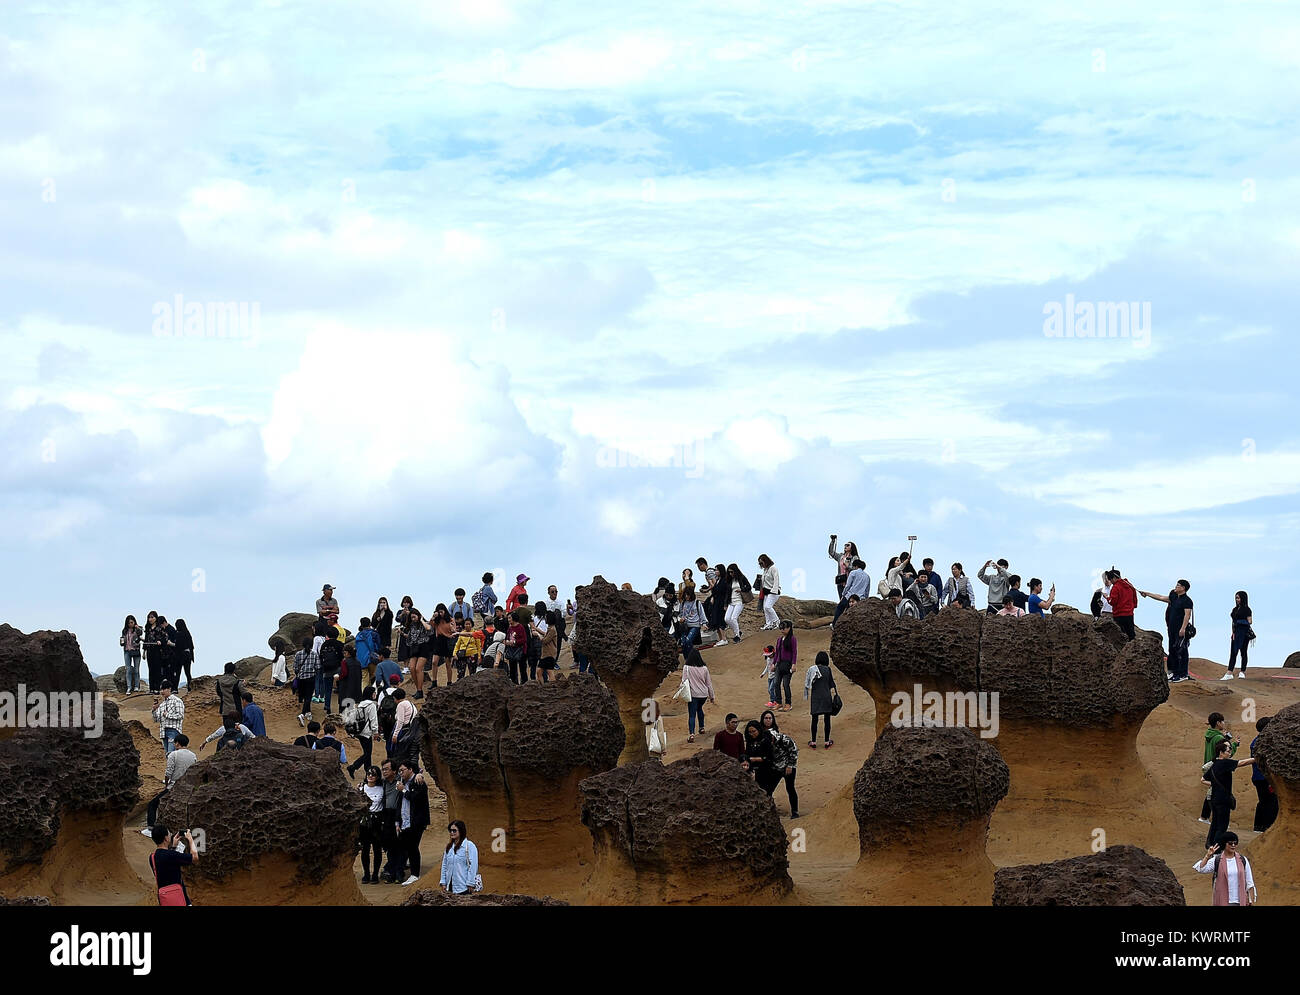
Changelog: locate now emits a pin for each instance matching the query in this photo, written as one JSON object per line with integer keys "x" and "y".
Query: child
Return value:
{"x": 769, "y": 673}
{"x": 656, "y": 740}
{"x": 466, "y": 651}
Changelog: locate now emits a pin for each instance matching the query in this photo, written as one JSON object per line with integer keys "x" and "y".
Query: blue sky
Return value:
{"x": 548, "y": 289}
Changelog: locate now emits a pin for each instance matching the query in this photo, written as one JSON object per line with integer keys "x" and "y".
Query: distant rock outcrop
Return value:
{"x": 426, "y": 896}
{"x": 509, "y": 758}
{"x": 1118, "y": 875}
{"x": 923, "y": 801}
{"x": 294, "y": 628}
{"x": 622, "y": 635}
{"x": 280, "y": 826}
{"x": 251, "y": 666}
{"x": 63, "y": 798}
{"x": 698, "y": 830}
{"x": 1293, "y": 660}
{"x": 119, "y": 681}
{"x": 1065, "y": 689}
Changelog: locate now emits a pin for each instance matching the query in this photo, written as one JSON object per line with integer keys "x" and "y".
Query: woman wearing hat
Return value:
{"x": 518, "y": 594}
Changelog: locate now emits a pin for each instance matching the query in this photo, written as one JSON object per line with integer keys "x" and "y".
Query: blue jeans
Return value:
{"x": 695, "y": 707}
{"x": 581, "y": 660}
{"x": 132, "y": 662}
{"x": 169, "y": 739}
{"x": 688, "y": 640}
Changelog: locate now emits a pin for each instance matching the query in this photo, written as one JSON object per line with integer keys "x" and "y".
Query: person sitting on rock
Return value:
{"x": 1010, "y": 608}
{"x": 903, "y": 607}
{"x": 232, "y": 732}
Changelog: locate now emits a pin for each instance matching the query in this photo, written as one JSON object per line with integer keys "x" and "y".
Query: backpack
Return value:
{"x": 1095, "y": 605}
{"x": 353, "y": 721}
{"x": 534, "y": 646}
{"x": 387, "y": 712}
{"x": 331, "y": 655}
{"x": 478, "y": 602}
{"x": 231, "y": 737}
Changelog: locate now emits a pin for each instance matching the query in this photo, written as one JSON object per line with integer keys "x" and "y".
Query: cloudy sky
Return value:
{"x": 388, "y": 295}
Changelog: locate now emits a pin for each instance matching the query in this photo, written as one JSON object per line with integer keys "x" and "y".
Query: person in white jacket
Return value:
{"x": 772, "y": 585}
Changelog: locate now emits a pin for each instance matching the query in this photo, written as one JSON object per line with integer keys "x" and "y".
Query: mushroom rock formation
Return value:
{"x": 1069, "y": 706}
{"x": 64, "y": 794}
{"x": 280, "y": 826}
{"x": 1275, "y": 855}
{"x": 119, "y": 681}
{"x": 1293, "y": 660}
{"x": 623, "y": 636}
{"x": 509, "y": 758}
{"x": 1119, "y": 875}
{"x": 105, "y": 684}
{"x": 250, "y": 667}
{"x": 41, "y": 661}
{"x": 294, "y": 628}
{"x": 698, "y": 830}
{"x": 923, "y": 801}
{"x": 426, "y": 896}
{"x": 31, "y": 900}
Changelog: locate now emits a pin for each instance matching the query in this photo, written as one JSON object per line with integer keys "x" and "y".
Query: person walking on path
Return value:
{"x": 771, "y": 591}
{"x": 785, "y": 661}
{"x": 169, "y": 713}
{"x": 459, "y": 862}
{"x": 306, "y": 665}
{"x": 696, "y": 674}
{"x": 367, "y": 728}
{"x": 1243, "y": 632}
{"x": 819, "y": 689}
{"x": 1178, "y": 622}
{"x": 1232, "y": 881}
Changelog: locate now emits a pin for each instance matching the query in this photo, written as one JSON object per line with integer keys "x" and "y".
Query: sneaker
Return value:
{"x": 352, "y": 773}
{"x": 794, "y": 815}
{"x": 365, "y": 878}
{"x": 409, "y": 881}
{"x": 1206, "y": 821}
{"x": 720, "y": 642}
{"x": 1228, "y": 676}
{"x": 1242, "y": 674}
{"x": 301, "y": 722}
{"x": 828, "y": 744}
{"x": 812, "y": 744}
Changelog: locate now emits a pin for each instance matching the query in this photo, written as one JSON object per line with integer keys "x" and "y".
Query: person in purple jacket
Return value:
{"x": 787, "y": 656}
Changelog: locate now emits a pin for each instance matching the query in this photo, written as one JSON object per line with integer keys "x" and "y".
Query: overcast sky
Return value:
{"x": 572, "y": 291}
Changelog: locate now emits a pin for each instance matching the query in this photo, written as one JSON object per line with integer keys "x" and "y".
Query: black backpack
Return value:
{"x": 231, "y": 737}
{"x": 331, "y": 655}
{"x": 387, "y": 712}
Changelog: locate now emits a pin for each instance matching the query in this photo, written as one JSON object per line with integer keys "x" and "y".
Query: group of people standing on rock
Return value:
{"x": 917, "y": 593}
{"x": 713, "y": 600}
{"x": 166, "y": 650}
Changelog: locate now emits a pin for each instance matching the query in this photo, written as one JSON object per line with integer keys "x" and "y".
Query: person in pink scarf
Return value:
{"x": 1234, "y": 884}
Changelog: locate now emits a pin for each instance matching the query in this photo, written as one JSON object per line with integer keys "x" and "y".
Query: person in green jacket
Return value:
{"x": 1217, "y": 729}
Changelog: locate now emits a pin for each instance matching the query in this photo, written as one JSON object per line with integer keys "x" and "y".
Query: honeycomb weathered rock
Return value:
{"x": 1118, "y": 875}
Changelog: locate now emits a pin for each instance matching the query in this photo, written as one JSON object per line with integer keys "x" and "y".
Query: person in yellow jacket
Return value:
{"x": 466, "y": 650}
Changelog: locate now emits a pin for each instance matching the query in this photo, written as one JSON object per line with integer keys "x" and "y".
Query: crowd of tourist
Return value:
{"x": 366, "y": 670}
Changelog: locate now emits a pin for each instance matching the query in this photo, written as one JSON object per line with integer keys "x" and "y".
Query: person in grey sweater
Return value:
{"x": 999, "y": 584}
{"x": 819, "y": 689}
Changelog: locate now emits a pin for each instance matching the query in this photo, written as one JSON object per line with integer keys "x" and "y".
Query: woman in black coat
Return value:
{"x": 821, "y": 694}
{"x": 758, "y": 752}
{"x": 184, "y": 654}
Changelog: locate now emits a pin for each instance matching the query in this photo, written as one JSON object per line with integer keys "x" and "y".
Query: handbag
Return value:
{"x": 684, "y": 691}
{"x": 1191, "y": 626}
{"x": 837, "y": 703}
{"x": 171, "y": 894}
